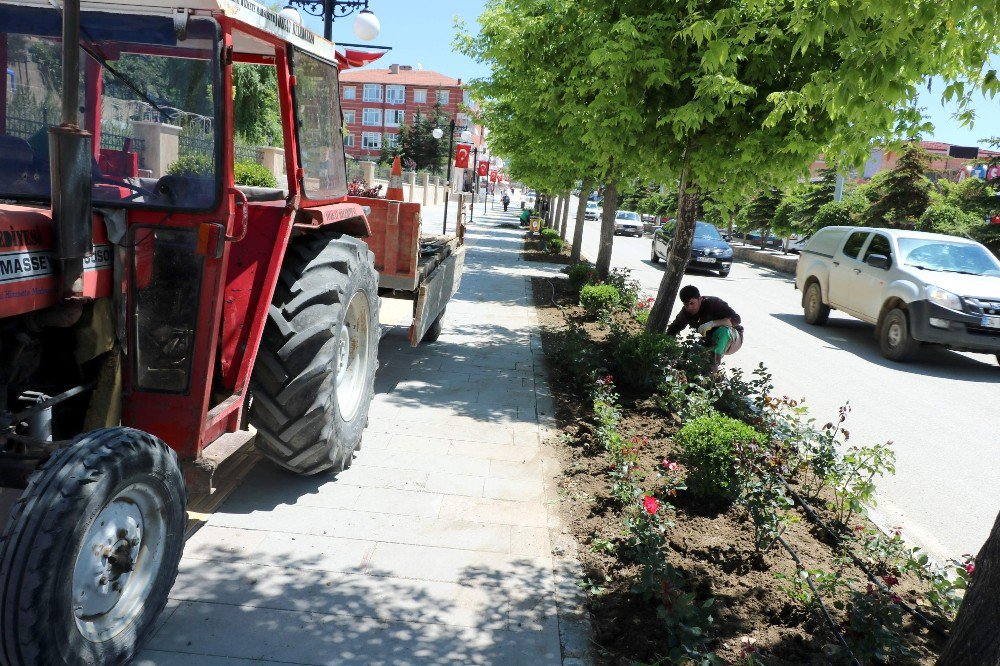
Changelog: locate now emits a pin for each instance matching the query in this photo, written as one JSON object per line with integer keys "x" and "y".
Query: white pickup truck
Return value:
{"x": 915, "y": 287}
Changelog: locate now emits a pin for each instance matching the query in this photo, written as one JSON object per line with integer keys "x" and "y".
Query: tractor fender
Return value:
{"x": 346, "y": 218}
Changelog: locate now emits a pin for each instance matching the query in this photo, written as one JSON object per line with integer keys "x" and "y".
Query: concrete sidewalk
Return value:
{"x": 437, "y": 545}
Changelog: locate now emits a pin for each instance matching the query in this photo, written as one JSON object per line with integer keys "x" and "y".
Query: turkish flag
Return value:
{"x": 993, "y": 172}
{"x": 484, "y": 168}
{"x": 493, "y": 176}
{"x": 462, "y": 156}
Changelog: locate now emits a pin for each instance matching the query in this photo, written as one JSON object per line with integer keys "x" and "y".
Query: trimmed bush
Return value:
{"x": 247, "y": 173}
{"x": 581, "y": 274}
{"x": 253, "y": 174}
{"x": 600, "y": 300}
{"x": 192, "y": 165}
{"x": 639, "y": 360}
{"x": 549, "y": 234}
{"x": 708, "y": 445}
{"x": 629, "y": 288}
{"x": 947, "y": 219}
{"x": 556, "y": 245}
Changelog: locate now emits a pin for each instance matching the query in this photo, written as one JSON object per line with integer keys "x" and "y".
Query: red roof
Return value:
{"x": 407, "y": 77}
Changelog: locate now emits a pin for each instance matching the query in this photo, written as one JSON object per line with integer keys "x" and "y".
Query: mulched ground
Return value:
{"x": 532, "y": 251}
{"x": 712, "y": 545}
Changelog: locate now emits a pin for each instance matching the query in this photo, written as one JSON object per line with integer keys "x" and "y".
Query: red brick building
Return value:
{"x": 951, "y": 168}
{"x": 376, "y": 102}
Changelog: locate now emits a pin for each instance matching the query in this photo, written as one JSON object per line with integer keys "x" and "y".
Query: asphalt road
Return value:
{"x": 939, "y": 409}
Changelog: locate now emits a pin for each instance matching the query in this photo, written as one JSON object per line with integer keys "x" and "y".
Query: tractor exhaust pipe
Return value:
{"x": 70, "y": 160}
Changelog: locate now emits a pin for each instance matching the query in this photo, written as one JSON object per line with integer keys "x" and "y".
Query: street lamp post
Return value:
{"x": 366, "y": 25}
{"x": 437, "y": 134}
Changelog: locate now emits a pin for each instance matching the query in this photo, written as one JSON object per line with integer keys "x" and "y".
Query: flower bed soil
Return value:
{"x": 532, "y": 251}
{"x": 712, "y": 545}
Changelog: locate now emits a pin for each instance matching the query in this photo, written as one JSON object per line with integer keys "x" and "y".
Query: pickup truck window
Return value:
{"x": 854, "y": 243}
{"x": 879, "y": 245}
{"x": 936, "y": 255}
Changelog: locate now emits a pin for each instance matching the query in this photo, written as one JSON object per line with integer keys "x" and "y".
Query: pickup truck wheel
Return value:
{"x": 91, "y": 550}
{"x": 816, "y": 311}
{"x": 655, "y": 258}
{"x": 895, "y": 340}
{"x": 313, "y": 380}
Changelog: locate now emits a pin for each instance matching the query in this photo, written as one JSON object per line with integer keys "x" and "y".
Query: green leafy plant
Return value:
{"x": 629, "y": 288}
{"x": 253, "y": 174}
{"x": 556, "y": 245}
{"x": 574, "y": 355}
{"x": 580, "y": 275}
{"x": 600, "y": 300}
{"x": 853, "y": 478}
{"x": 874, "y": 621}
{"x": 192, "y": 165}
{"x": 639, "y": 359}
{"x": 708, "y": 446}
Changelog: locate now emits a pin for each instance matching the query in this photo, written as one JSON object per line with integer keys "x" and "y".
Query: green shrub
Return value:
{"x": 708, "y": 446}
{"x": 254, "y": 175}
{"x": 549, "y": 234}
{"x": 192, "y": 165}
{"x": 629, "y": 288}
{"x": 247, "y": 173}
{"x": 581, "y": 274}
{"x": 639, "y": 359}
{"x": 556, "y": 245}
{"x": 947, "y": 219}
{"x": 600, "y": 300}
{"x": 574, "y": 354}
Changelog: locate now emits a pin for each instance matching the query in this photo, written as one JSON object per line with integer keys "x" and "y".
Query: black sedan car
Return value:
{"x": 709, "y": 250}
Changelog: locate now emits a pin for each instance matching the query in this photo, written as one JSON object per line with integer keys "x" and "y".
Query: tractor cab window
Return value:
{"x": 148, "y": 95}
{"x": 320, "y": 137}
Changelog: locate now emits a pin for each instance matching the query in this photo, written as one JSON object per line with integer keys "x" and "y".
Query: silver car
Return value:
{"x": 628, "y": 223}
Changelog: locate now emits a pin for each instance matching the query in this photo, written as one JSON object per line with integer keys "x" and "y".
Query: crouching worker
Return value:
{"x": 713, "y": 318}
{"x": 525, "y": 217}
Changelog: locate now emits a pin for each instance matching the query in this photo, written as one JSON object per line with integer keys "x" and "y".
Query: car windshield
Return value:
{"x": 706, "y": 231}
{"x": 949, "y": 257}
{"x": 149, "y": 100}
{"x": 625, "y": 215}
{"x": 592, "y": 204}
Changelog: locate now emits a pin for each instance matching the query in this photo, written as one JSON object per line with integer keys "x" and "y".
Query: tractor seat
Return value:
{"x": 255, "y": 194}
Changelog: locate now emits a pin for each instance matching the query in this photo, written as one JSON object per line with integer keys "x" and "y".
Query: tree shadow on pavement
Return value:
{"x": 280, "y": 604}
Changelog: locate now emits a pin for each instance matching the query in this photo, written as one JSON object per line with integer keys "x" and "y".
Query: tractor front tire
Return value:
{"x": 314, "y": 378}
{"x": 91, "y": 550}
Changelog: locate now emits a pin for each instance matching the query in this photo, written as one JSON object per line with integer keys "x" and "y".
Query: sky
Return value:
{"x": 422, "y": 33}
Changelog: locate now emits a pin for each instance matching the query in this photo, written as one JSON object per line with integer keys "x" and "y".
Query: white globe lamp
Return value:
{"x": 367, "y": 25}
{"x": 291, "y": 14}
{"x": 437, "y": 133}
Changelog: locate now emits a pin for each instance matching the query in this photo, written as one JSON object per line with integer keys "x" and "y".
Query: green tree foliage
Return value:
{"x": 902, "y": 195}
{"x": 417, "y": 143}
{"x": 256, "y": 110}
{"x": 759, "y": 213}
{"x": 816, "y": 196}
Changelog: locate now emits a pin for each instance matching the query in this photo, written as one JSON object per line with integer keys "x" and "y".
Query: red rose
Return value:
{"x": 970, "y": 567}
{"x": 890, "y": 580}
{"x": 650, "y": 504}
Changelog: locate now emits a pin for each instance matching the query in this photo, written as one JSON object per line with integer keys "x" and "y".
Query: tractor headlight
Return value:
{"x": 943, "y": 297}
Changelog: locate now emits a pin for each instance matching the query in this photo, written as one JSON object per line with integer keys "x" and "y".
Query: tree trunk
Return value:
{"x": 581, "y": 208}
{"x": 975, "y": 640}
{"x": 565, "y": 216}
{"x": 677, "y": 257}
{"x": 603, "y": 264}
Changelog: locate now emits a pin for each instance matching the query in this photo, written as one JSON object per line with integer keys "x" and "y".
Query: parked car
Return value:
{"x": 753, "y": 238}
{"x": 592, "y": 211}
{"x": 915, "y": 287}
{"x": 628, "y": 223}
{"x": 796, "y": 243}
{"x": 650, "y": 223}
{"x": 709, "y": 249}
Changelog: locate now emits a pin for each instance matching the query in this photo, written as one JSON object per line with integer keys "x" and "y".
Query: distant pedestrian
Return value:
{"x": 713, "y": 318}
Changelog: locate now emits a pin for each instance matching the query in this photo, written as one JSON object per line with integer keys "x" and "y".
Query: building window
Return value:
{"x": 443, "y": 96}
{"x": 373, "y": 92}
{"x": 350, "y": 117}
{"x": 391, "y": 140}
{"x": 419, "y": 96}
{"x": 394, "y": 117}
{"x": 466, "y": 97}
{"x": 395, "y": 94}
{"x": 349, "y": 141}
{"x": 371, "y": 141}
{"x": 349, "y": 92}
{"x": 372, "y": 117}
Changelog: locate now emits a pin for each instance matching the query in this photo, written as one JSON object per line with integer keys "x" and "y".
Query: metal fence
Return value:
{"x": 26, "y": 128}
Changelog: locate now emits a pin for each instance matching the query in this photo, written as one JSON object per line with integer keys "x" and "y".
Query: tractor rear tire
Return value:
{"x": 91, "y": 550}
{"x": 314, "y": 378}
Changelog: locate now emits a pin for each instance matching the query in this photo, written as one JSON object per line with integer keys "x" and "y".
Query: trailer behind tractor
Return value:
{"x": 164, "y": 289}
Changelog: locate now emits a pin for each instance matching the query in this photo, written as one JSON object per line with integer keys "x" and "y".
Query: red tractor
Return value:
{"x": 168, "y": 288}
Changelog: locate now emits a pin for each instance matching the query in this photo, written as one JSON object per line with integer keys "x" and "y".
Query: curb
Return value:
{"x": 779, "y": 262}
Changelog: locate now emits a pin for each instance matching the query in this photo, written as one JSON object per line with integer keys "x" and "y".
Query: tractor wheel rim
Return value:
{"x": 353, "y": 353}
{"x": 894, "y": 334}
{"x": 118, "y": 562}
